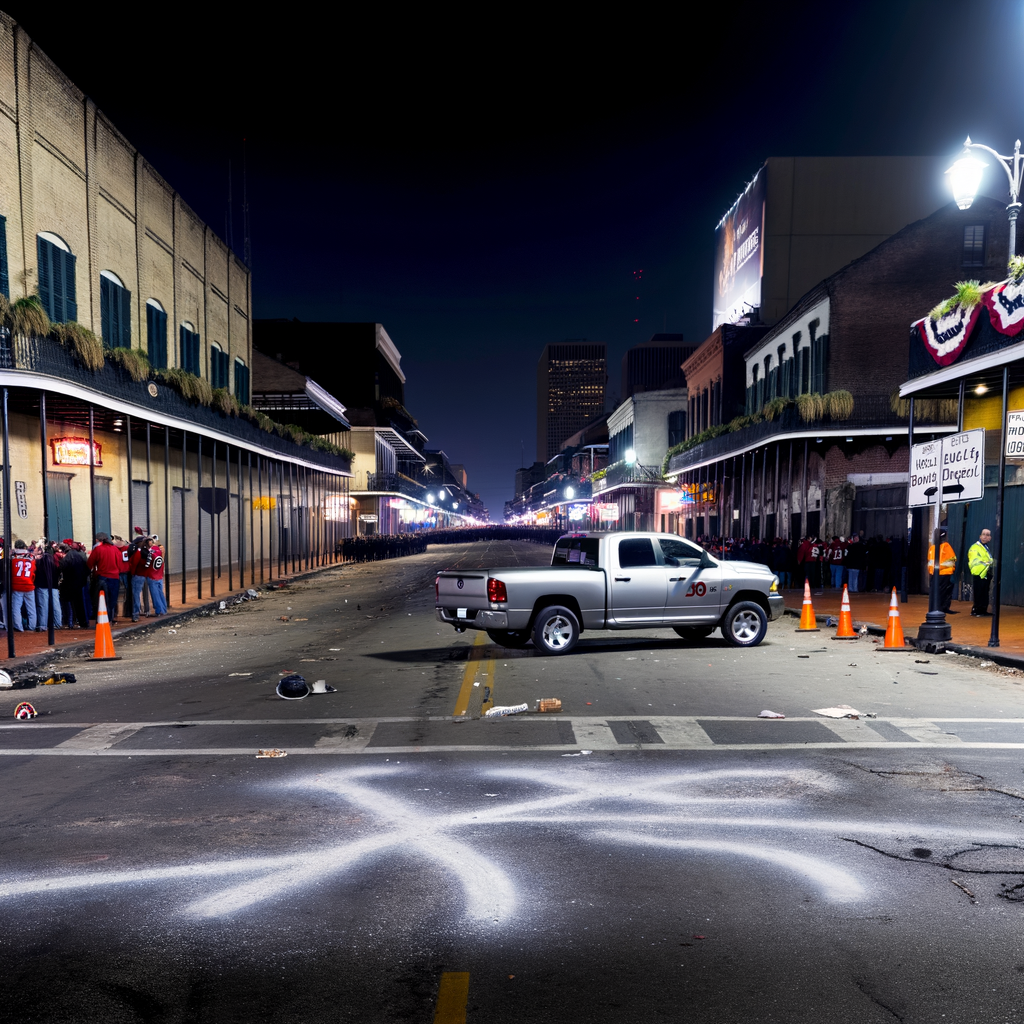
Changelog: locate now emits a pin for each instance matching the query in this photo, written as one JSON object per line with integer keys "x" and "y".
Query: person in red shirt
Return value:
{"x": 147, "y": 566}
{"x": 106, "y": 560}
{"x": 23, "y": 586}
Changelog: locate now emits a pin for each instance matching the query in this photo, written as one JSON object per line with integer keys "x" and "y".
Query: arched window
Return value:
{"x": 188, "y": 352}
{"x": 115, "y": 311}
{"x": 241, "y": 382}
{"x": 218, "y": 366}
{"x": 56, "y": 277}
{"x": 156, "y": 334}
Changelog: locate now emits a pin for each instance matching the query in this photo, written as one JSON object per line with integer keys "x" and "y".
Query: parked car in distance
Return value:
{"x": 612, "y": 581}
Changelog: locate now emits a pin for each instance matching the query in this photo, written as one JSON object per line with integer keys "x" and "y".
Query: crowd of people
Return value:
{"x": 67, "y": 577}
{"x": 862, "y": 564}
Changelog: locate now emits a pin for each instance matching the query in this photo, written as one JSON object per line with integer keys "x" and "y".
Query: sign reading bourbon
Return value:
{"x": 74, "y": 451}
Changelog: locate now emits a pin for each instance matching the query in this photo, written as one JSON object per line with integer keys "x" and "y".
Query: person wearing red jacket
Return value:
{"x": 147, "y": 567}
{"x": 23, "y": 586}
{"x": 105, "y": 559}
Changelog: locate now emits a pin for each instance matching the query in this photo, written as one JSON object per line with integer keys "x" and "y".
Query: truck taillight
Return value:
{"x": 496, "y": 591}
{"x": 437, "y": 590}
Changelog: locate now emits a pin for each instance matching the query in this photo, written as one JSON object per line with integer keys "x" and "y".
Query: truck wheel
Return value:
{"x": 745, "y": 624}
{"x": 555, "y": 630}
{"x": 509, "y": 637}
{"x": 694, "y": 633}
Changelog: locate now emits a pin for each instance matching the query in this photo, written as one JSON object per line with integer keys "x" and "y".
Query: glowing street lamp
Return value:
{"x": 569, "y": 494}
{"x": 965, "y": 180}
{"x": 630, "y": 457}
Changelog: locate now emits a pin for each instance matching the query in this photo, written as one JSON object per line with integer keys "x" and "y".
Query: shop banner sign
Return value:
{"x": 955, "y": 463}
{"x": 1015, "y": 434}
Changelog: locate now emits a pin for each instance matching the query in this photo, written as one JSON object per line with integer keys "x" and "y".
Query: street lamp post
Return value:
{"x": 965, "y": 178}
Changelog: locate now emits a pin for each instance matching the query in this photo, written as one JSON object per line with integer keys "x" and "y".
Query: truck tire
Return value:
{"x": 745, "y": 624}
{"x": 694, "y": 633}
{"x": 509, "y": 637}
{"x": 555, "y": 630}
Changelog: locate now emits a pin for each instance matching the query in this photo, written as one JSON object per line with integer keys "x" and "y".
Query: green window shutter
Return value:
{"x": 70, "y": 295}
{"x": 44, "y": 251}
{"x": 126, "y": 318}
{"x": 156, "y": 336}
{"x": 5, "y": 288}
{"x": 106, "y": 314}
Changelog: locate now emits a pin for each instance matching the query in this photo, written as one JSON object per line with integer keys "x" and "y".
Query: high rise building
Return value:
{"x": 571, "y": 379}
{"x": 655, "y": 365}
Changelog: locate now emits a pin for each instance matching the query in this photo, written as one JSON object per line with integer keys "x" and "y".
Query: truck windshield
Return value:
{"x": 576, "y": 551}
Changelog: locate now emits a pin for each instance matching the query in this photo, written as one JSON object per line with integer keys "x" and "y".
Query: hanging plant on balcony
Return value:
{"x": 838, "y": 404}
{"x": 133, "y": 361}
{"x": 27, "y": 319}
{"x": 810, "y": 406}
{"x": 776, "y": 407}
{"x": 81, "y": 342}
{"x": 926, "y": 410}
{"x": 192, "y": 388}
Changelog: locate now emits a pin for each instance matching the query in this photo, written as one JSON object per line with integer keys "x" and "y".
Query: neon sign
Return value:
{"x": 74, "y": 451}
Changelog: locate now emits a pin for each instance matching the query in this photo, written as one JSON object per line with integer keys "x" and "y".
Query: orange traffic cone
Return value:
{"x": 845, "y": 631}
{"x": 808, "y": 623}
{"x": 104, "y": 650}
{"x": 894, "y": 631}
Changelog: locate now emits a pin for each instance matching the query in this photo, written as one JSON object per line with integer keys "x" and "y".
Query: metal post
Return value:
{"x": 291, "y": 523}
{"x": 227, "y": 487}
{"x": 743, "y": 495}
{"x": 252, "y": 539}
{"x": 241, "y": 541}
{"x": 199, "y": 520}
{"x": 789, "y": 495}
{"x": 92, "y": 472}
{"x": 259, "y": 479}
{"x": 46, "y": 514}
{"x": 804, "y": 526}
{"x": 214, "y": 525}
{"x": 131, "y": 484}
{"x": 167, "y": 514}
{"x": 908, "y": 546}
{"x": 763, "y": 506}
{"x": 184, "y": 488}
{"x": 8, "y": 580}
{"x": 997, "y": 568}
{"x": 960, "y": 406}
{"x": 149, "y": 510}
{"x": 775, "y": 502}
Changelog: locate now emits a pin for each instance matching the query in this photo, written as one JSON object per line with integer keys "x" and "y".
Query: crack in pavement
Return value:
{"x": 878, "y": 1002}
{"x": 945, "y": 863}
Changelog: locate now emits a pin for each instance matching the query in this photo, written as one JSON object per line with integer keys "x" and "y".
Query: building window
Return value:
{"x": 56, "y": 278}
{"x": 218, "y": 367}
{"x": 676, "y": 428}
{"x": 115, "y": 311}
{"x": 974, "y": 245}
{"x": 156, "y": 334}
{"x": 5, "y": 287}
{"x": 241, "y": 382}
{"x": 188, "y": 356}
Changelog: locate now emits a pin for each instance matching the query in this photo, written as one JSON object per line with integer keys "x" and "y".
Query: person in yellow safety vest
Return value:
{"x": 947, "y": 566}
{"x": 980, "y": 562}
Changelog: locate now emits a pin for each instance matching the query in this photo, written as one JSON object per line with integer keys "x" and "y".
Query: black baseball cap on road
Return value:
{"x": 293, "y": 687}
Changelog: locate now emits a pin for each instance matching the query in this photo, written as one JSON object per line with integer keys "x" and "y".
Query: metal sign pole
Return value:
{"x": 993, "y": 640}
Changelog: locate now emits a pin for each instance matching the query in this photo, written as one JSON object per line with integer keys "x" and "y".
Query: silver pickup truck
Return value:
{"x": 612, "y": 581}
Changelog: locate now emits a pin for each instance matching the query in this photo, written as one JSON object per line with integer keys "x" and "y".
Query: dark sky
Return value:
{"x": 483, "y": 183}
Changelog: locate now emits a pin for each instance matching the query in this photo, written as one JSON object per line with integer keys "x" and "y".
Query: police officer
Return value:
{"x": 947, "y": 566}
{"x": 980, "y": 561}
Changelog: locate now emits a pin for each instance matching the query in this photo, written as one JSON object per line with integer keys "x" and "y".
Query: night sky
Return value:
{"x": 486, "y": 182}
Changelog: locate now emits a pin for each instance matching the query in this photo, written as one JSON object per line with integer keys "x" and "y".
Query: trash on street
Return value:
{"x": 503, "y": 711}
{"x": 24, "y": 711}
{"x": 273, "y": 752}
{"x": 547, "y": 704}
{"x": 839, "y": 711}
{"x": 770, "y": 714}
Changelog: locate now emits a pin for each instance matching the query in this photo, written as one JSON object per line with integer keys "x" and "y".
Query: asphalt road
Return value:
{"x": 654, "y": 852}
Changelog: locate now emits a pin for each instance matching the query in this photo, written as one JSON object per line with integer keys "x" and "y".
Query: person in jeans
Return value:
{"x": 74, "y": 576}
{"x": 836, "y": 554}
{"x": 47, "y": 587}
{"x": 106, "y": 560}
{"x": 856, "y": 561}
{"x": 23, "y": 587}
{"x": 147, "y": 567}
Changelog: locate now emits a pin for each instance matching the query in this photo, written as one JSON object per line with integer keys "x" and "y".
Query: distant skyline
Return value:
{"x": 485, "y": 195}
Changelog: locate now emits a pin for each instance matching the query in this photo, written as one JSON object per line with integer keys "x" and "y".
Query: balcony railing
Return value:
{"x": 870, "y": 412}
{"x": 396, "y": 482}
{"x": 49, "y": 358}
{"x": 620, "y": 473}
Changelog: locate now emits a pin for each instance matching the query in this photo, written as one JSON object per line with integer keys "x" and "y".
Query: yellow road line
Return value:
{"x": 452, "y": 996}
{"x": 468, "y": 678}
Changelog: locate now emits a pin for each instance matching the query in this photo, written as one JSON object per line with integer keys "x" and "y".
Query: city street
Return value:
{"x": 653, "y": 852}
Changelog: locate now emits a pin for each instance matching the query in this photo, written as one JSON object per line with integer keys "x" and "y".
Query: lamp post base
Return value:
{"x": 935, "y": 629}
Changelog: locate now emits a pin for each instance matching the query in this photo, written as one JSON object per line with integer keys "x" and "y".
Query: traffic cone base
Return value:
{"x": 845, "y": 630}
{"x": 104, "y": 649}
{"x": 808, "y": 623}
{"x": 894, "y": 630}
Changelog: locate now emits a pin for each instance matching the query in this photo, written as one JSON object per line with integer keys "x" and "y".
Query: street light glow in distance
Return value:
{"x": 630, "y": 456}
{"x": 569, "y": 493}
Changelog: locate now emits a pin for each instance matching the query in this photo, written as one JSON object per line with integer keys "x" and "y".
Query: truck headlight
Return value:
{"x": 774, "y": 588}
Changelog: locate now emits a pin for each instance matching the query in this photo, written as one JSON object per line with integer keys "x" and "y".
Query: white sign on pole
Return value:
{"x": 1015, "y": 434}
{"x": 956, "y": 464}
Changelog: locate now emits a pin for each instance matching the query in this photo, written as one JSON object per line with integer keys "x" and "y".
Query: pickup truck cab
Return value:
{"x": 612, "y": 581}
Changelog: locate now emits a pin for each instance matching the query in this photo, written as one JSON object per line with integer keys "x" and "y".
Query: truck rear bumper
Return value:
{"x": 474, "y": 619}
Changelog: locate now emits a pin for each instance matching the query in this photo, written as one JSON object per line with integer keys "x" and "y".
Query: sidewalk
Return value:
{"x": 872, "y": 609}
{"x": 31, "y": 648}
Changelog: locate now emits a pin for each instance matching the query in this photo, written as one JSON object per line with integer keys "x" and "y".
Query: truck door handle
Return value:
{"x": 623, "y": 579}
{"x": 674, "y": 579}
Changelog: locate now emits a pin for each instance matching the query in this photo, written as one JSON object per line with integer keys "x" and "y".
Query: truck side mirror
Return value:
{"x": 706, "y": 561}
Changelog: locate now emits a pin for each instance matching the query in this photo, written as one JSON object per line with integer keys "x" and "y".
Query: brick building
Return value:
{"x": 102, "y": 439}
{"x": 799, "y": 464}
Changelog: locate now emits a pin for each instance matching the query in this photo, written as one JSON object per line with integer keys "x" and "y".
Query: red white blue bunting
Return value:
{"x": 945, "y": 337}
{"x": 1005, "y": 304}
